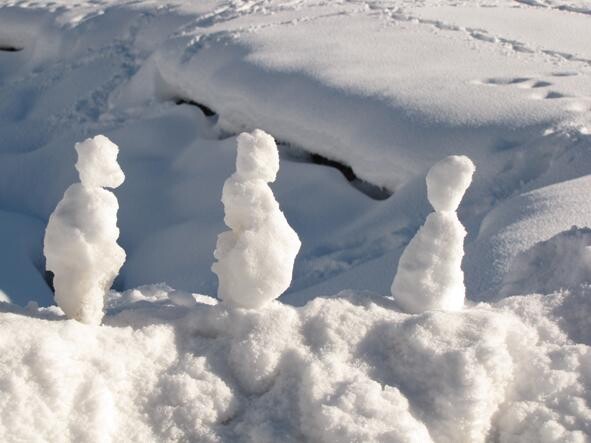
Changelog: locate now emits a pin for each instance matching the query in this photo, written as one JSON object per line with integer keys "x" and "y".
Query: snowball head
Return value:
{"x": 448, "y": 180}
{"x": 257, "y": 156}
{"x": 97, "y": 163}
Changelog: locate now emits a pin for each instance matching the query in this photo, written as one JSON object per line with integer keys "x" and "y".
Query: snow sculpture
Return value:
{"x": 81, "y": 237}
{"x": 429, "y": 273}
{"x": 255, "y": 258}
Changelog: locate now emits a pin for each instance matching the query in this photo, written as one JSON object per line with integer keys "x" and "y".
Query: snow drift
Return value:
{"x": 349, "y": 368}
{"x": 561, "y": 262}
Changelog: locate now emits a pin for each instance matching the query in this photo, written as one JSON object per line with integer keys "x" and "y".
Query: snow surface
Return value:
{"x": 346, "y": 368}
{"x": 386, "y": 88}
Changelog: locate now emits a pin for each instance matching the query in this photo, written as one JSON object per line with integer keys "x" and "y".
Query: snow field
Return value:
{"x": 386, "y": 88}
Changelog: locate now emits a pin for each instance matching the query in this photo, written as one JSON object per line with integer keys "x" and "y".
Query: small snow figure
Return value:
{"x": 81, "y": 237}
{"x": 429, "y": 273}
{"x": 255, "y": 259}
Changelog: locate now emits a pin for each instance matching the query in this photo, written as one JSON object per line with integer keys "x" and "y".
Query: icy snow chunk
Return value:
{"x": 447, "y": 182}
{"x": 255, "y": 259}
{"x": 81, "y": 237}
{"x": 429, "y": 274}
{"x": 561, "y": 262}
{"x": 97, "y": 163}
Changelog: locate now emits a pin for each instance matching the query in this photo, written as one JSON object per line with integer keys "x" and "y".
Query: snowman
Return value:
{"x": 255, "y": 257}
{"x": 429, "y": 274}
{"x": 81, "y": 237}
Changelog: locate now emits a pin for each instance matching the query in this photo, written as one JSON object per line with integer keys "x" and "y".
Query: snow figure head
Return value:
{"x": 81, "y": 236}
{"x": 257, "y": 157}
{"x": 448, "y": 180}
{"x": 255, "y": 258}
{"x": 429, "y": 272}
{"x": 97, "y": 163}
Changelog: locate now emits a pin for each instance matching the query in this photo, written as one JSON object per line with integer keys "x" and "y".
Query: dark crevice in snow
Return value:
{"x": 48, "y": 277}
{"x": 346, "y": 170}
{"x": 10, "y": 49}
{"x": 369, "y": 189}
{"x": 299, "y": 154}
{"x": 205, "y": 109}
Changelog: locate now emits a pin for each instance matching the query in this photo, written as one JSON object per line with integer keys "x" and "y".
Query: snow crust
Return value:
{"x": 80, "y": 242}
{"x": 255, "y": 259}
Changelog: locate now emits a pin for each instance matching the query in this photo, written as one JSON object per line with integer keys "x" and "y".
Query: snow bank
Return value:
{"x": 255, "y": 259}
{"x": 561, "y": 262}
{"x": 429, "y": 274}
{"x": 518, "y": 224}
{"x": 343, "y": 369}
{"x": 81, "y": 237}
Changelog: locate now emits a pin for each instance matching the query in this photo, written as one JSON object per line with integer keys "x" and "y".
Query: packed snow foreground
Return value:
{"x": 346, "y": 309}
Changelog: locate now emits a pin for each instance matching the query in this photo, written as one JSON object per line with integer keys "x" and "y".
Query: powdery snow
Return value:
{"x": 342, "y": 369}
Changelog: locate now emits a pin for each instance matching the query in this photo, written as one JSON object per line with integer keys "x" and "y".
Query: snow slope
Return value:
{"x": 382, "y": 89}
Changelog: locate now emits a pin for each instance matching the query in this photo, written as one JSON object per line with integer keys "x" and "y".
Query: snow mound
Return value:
{"x": 81, "y": 237}
{"x": 342, "y": 369}
{"x": 561, "y": 262}
{"x": 255, "y": 259}
{"x": 429, "y": 274}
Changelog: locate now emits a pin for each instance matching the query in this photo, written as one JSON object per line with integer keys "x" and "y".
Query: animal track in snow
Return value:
{"x": 540, "y": 91}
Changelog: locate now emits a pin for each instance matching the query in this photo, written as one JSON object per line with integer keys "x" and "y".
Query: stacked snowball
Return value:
{"x": 81, "y": 237}
{"x": 255, "y": 258}
{"x": 429, "y": 272}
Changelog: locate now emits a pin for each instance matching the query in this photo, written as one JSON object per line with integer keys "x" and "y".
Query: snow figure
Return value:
{"x": 429, "y": 273}
{"x": 255, "y": 258}
{"x": 81, "y": 237}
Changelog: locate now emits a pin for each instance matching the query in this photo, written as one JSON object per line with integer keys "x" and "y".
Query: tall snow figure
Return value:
{"x": 255, "y": 259}
{"x": 81, "y": 236}
{"x": 429, "y": 273}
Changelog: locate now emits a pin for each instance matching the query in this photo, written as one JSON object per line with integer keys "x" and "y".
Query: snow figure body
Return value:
{"x": 81, "y": 236}
{"x": 255, "y": 258}
{"x": 429, "y": 274}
